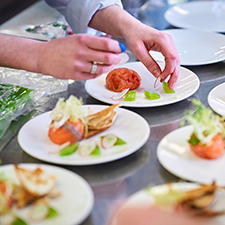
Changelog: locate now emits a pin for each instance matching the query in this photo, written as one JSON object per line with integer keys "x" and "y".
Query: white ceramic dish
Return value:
{"x": 196, "y": 47}
{"x": 76, "y": 195}
{"x": 186, "y": 86}
{"x": 176, "y": 156}
{"x": 33, "y": 138}
{"x": 199, "y": 15}
{"x": 216, "y": 99}
{"x": 144, "y": 198}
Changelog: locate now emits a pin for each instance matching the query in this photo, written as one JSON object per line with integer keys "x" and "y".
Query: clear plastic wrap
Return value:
{"x": 22, "y": 91}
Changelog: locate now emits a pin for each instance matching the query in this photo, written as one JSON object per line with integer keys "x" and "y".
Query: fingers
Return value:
{"x": 104, "y": 44}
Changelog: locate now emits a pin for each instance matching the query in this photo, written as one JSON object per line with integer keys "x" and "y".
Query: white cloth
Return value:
{"x": 78, "y": 13}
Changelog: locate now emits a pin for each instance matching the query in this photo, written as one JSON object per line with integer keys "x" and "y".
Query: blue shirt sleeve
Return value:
{"x": 78, "y": 13}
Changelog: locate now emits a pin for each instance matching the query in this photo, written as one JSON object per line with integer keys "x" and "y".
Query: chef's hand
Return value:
{"x": 142, "y": 38}
{"x": 72, "y": 57}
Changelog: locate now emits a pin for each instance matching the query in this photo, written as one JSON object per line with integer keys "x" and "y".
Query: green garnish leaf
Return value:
{"x": 193, "y": 140}
{"x": 120, "y": 142}
{"x": 19, "y": 221}
{"x": 96, "y": 152}
{"x": 52, "y": 213}
{"x": 70, "y": 149}
{"x": 166, "y": 88}
{"x": 151, "y": 95}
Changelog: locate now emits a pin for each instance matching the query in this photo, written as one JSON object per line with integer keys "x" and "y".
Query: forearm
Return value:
{"x": 114, "y": 21}
{"x": 19, "y": 53}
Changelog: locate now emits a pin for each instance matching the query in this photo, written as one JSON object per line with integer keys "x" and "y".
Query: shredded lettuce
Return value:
{"x": 165, "y": 197}
{"x": 70, "y": 109}
{"x": 206, "y": 123}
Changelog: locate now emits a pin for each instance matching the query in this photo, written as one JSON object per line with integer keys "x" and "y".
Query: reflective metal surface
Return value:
{"x": 114, "y": 181}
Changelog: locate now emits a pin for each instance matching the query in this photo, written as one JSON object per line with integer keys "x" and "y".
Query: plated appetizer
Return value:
{"x": 69, "y": 124}
{"x": 196, "y": 201}
{"x": 35, "y": 189}
{"x": 207, "y": 139}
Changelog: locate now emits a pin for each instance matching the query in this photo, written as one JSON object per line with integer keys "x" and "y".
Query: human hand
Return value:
{"x": 142, "y": 38}
{"x": 72, "y": 57}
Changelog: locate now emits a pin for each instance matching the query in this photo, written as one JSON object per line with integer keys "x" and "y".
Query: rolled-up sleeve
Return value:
{"x": 78, "y": 13}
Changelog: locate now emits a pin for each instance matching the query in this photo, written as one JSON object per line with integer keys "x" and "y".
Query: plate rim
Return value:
{"x": 210, "y": 96}
{"x": 90, "y": 162}
{"x": 145, "y": 106}
{"x": 169, "y": 10}
{"x": 172, "y": 171}
{"x": 188, "y": 30}
{"x": 79, "y": 178}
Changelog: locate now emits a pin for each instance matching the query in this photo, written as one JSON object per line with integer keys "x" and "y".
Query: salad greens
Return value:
{"x": 206, "y": 123}
{"x": 69, "y": 109}
{"x": 12, "y": 98}
{"x": 167, "y": 197}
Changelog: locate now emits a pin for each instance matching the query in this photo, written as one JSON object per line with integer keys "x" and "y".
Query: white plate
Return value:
{"x": 33, "y": 138}
{"x": 186, "y": 86}
{"x": 76, "y": 195}
{"x": 216, "y": 99}
{"x": 196, "y": 47}
{"x": 199, "y": 15}
{"x": 144, "y": 198}
{"x": 176, "y": 156}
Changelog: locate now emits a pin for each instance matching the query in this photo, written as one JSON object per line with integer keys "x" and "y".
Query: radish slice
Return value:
{"x": 87, "y": 148}
{"x": 124, "y": 58}
{"x": 120, "y": 95}
{"x": 39, "y": 212}
{"x": 157, "y": 81}
{"x": 108, "y": 141}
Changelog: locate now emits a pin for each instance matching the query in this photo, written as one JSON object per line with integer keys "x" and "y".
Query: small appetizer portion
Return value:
{"x": 196, "y": 202}
{"x": 70, "y": 125}
{"x": 207, "y": 139}
{"x": 35, "y": 188}
{"x": 122, "y": 78}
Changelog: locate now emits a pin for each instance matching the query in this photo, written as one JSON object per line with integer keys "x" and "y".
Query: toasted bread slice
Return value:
{"x": 35, "y": 182}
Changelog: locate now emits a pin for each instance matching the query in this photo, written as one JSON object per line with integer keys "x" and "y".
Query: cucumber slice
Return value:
{"x": 108, "y": 141}
{"x": 39, "y": 212}
{"x": 70, "y": 149}
{"x": 120, "y": 95}
{"x": 167, "y": 89}
{"x": 87, "y": 148}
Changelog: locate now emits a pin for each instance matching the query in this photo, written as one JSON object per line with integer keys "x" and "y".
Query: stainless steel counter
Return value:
{"x": 114, "y": 181}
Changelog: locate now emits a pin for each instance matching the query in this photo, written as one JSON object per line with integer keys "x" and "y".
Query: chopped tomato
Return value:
{"x": 212, "y": 151}
{"x": 65, "y": 134}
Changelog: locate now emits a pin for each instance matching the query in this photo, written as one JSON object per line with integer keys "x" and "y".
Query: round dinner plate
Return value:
{"x": 216, "y": 99}
{"x": 145, "y": 197}
{"x": 176, "y": 156}
{"x": 187, "y": 85}
{"x": 196, "y": 47}
{"x": 73, "y": 205}
{"x": 199, "y": 15}
{"x": 129, "y": 126}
